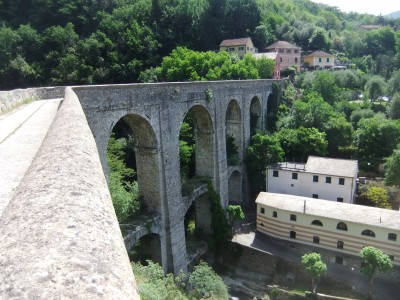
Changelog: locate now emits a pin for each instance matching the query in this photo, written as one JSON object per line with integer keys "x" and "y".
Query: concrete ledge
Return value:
{"x": 59, "y": 235}
{"x": 9, "y": 99}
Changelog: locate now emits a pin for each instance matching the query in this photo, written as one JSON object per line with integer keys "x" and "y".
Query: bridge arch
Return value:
{"x": 146, "y": 159}
{"x": 235, "y": 187}
{"x": 255, "y": 115}
{"x": 204, "y": 140}
{"x": 234, "y": 133}
{"x": 148, "y": 247}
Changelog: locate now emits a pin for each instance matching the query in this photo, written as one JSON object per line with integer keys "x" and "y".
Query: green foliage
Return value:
{"x": 124, "y": 192}
{"x": 187, "y": 147}
{"x": 188, "y": 65}
{"x": 376, "y": 138}
{"x": 264, "y": 149}
{"x": 299, "y": 143}
{"x": 375, "y": 87}
{"x": 394, "y": 107}
{"x": 339, "y": 134}
{"x": 314, "y": 266}
{"x": 235, "y": 212}
{"x": 392, "y": 169}
{"x": 375, "y": 260}
{"x": 206, "y": 284}
{"x": 232, "y": 152}
{"x": 379, "y": 197}
{"x": 219, "y": 223}
{"x": 154, "y": 285}
{"x": 325, "y": 85}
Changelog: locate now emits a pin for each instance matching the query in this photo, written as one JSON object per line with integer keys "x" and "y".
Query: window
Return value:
{"x": 341, "y": 226}
{"x": 320, "y": 59}
{"x": 281, "y": 59}
{"x": 241, "y": 48}
{"x": 288, "y": 60}
{"x": 317, "y": 223}
{"x": 262, "y": 224}
{"x": 296, "y": 51}
{"x": 340, "y": 244}
{"x": 288, "y": 51}
{"x": 294, "y": 176}
{"x": 392, "y": 237}
{"x": 328, "y": 179}
{"x": 315, "y": 239}
{"x": 327, "y": 59}
{"x": 281, "y": 50}
{"x": 247, "y": 48}
{"x": 292, "y": 234}
{"x": 295, "y": 60}
{"x": 339, "y": 199}
{"x": 339, "y": 260}
{"x": 293, "y": 217}
{"x": 274, "y": 214}
{"x": 315, "y": 196}
{"x": 341, "y": 181}
{"x": 231, "y": 49}
{"x": 315, "y": 178}
{"x": 391, "y": 257}
{"x": 262, "y": 210}
{"x": 368, "y": 232}
{"x": 275, "y": 173}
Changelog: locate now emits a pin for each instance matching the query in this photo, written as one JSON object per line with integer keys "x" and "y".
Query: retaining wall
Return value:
{"x": 9, "y": 99}
{"x": 60, "y": 238}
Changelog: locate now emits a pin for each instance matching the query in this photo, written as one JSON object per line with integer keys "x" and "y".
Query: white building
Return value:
{"x": 339, "y": 227}
{"x": 324, "y": 178}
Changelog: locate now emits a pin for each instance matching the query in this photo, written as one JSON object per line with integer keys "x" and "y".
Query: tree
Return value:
{"x": 124, "y": 192}
{"x": 314, "y": 266}
{"x": 264, "y": 149}
{"x": 339, "y": 135}
{"x": 235, "y": 213}
{"x": 394, "y": 83}
{"x": 378, "y": 196}
{"x": 153, "y": 284}
{"x": 325, "y": 85}
{"x": 206, "y": 284}
{"x": 394, "y": 107}
{"x": 374, "y": 260}
{"x": 299, "y": 143}
{"x": 320, "y": 40}
{"x": 392, "y": 169}
{"x": 375, "y": 87}
{"x": 376, "y": 138}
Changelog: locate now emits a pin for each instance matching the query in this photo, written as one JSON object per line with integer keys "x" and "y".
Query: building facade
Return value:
{"x": 337, "y": 227}
{"x": 319, "y": 59}
{"x": 290, "y": 55}
{"x": 320, "y": 178}
{"x": 240, "y": 46}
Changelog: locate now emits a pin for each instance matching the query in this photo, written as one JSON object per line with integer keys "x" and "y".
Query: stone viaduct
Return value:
{"x": 82, "y": 204}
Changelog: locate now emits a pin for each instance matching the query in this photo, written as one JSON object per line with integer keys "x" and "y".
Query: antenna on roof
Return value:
{"x": 304, "y": 206}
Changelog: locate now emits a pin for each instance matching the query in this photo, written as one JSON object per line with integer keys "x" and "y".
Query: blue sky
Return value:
{"x": 374, "y": 7}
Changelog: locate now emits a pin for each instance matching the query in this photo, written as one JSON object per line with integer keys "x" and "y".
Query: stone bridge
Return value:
{"x": 60, "y": 234}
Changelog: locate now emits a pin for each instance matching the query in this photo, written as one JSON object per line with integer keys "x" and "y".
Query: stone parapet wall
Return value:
{"x": 60, "y": 236}
{"x": 9, "y": 99}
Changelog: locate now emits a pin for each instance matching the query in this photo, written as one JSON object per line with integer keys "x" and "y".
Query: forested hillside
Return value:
{"x": 49, "y": 42}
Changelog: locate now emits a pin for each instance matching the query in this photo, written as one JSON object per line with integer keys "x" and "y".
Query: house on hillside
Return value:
{"x": 342, "y": 229}
{"x": 274, "y": 56}
{"x": 321, "y": 178}
{"x": 319, "y": 60}
{"x": 290, "y": 55}
{"x": 240, "y": 46}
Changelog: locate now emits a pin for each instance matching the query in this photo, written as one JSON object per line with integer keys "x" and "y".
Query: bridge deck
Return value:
{"x": 21, "y": 134}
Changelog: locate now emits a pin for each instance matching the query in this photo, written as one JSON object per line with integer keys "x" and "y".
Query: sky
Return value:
{"x": 374, "y": 7}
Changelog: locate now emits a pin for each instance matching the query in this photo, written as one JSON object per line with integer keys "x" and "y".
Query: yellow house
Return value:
{"x": 319, "y": 59}
{"x": 239, "y": 46}
{"x": 342, "y": 228}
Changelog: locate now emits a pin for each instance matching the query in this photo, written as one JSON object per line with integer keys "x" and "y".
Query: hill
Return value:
{"x": 394, "y": 15}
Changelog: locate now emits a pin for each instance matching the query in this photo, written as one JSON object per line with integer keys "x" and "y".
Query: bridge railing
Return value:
{"x": 60, "y": 238}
